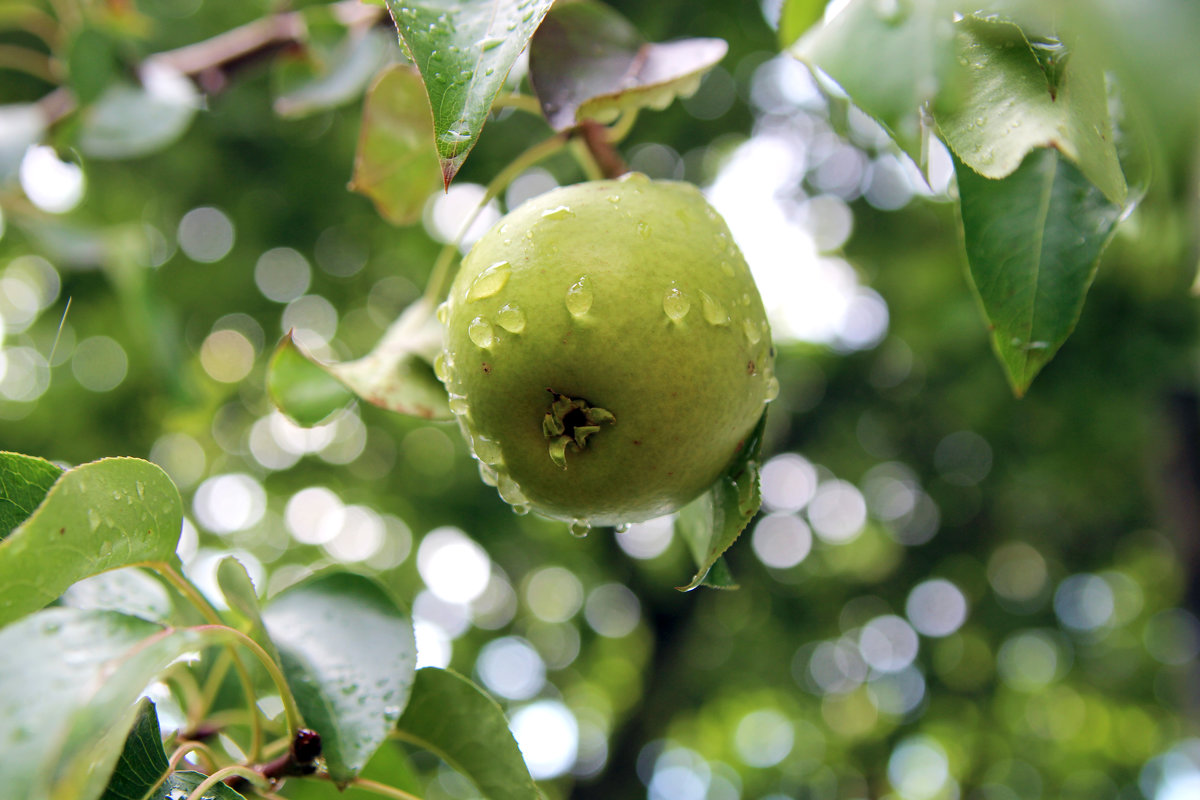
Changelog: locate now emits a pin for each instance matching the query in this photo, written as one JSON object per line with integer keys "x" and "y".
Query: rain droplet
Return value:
{"x": 633, "y": 177}
{"x": 675, "y": 305}
{"x": 455, "y": 136}
{"x": 714, "y": 312}
{"x": 643, "y": 230}
{"x": 727, "y": 268}
{"x": 443, "y": 312}
{"x": 753, "y": 335}
{"x": 141, "y": 489}
{"x": 93, "y": 519}
{"x": 480, "y": 331}
{"x": 487, "y": 450}
{"x": 511, "y": 318}
{"x": 441, "y": 368}
{"x": 772, "y": 389}
{"x": 558, "y": 212}
{"x": 488, "y": 282}
{"x": 579, "y": 297}
{"x": 580, "y": 528}
{"x": 487, "y": 474}
{"x": 458, "y": 404}
{"x": 509, "y": 491}
{"x": 624, "y": 527}
{"x": 520, "y": 509}
{"x": 614, "y": 199}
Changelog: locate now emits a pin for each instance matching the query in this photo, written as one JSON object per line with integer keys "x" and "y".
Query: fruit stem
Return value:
{"x": 441, "y": 275}
{"x": 596, "y": 137}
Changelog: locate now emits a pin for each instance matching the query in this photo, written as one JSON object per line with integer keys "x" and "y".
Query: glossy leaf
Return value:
{"x": 1011, "y": 106}
{"x": 143, "y": 763}
{"x": 464, "y": 50}
{"x": 98, "y": 516}
{"x": 890, "y": 58}
{"x": 1033, "y": 242}
{"x": 395, "y": 375}
{"x": 712, "y": 522}
{"x": 587, "y": 61}
{"x": 239, "y": 593}
{"x": 349, "y": 655}
{"x": 130, "y": 590}
{"x": 455, "y": 719}
{"x": 128, "y": 120}
{"x": 69, "y": 680}
{"x": 24, "y": 481}
{"x": 796, "y": 17}
{"x": 396, "y": 164}
{"x": 343, "y": 78}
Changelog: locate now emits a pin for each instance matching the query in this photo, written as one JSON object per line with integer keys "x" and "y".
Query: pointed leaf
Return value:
{"x": 24, "y": 481}
{"x": 239, "y": 593}
{"x": 349, "y": 655}
{"x": 587, "y": 61}
{"x": 395, "y": 375}
{"x": 99, "y": 516}
{"x": 455, "y": 719}
{"x": 396, "y": 164}
{"x": 1033, "y": 242}
{"x": 890, "y": 58}
{"x": 464, "y": 49}
{"x": 1011, "y": 106}
{"x": 712, "y": 522}
{"x": 143, "y": 763}
{"x": 130, "y": 120}
{"x": 69, "y": 680}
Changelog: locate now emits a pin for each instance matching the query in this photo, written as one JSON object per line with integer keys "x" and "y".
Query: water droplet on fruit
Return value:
{"x": 488, "y": 282}
{"x": 772, "y": 389}
{"x": 727, "y": 268}
{"x": 558, "y": 212}
{"x": 480, "y": 331}
{"x": 614, "y": 199}
{"x": 624, "y": 527}
{"x": 714, "y": 312}
{"x": 441, "y": 368}
{"x": 487, "y": 450}
{"x": 643, "y": 230}
{"x": 511, "y": 318}
{"x": 753, "y": 335}
{"x": 579, "y": 297}
{"x": 458, "y": 404}
{"x": 520, "y": 509}
{"x": 580, "y": 528}
{"x": 509, "y": 491}
{"x": 487, "y": 474}
{"x": 633, "y": 177}
{"x": 675, "y": 305}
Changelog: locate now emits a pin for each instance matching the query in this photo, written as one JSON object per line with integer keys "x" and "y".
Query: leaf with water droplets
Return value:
{"x": 397, "y": 374}
{"x": 71, "y": 679}
{"x": 587, "y": 61}
{"x": 395, "y": 164}
{"x": 891, "y": 57}
{"x": 464, "y": 50}
{"x": 711, "y": 523}
{"x": 179, "y": 785}
{"x": 24, "y": 481}
{"x": 91, "y": 520}
{"x": 348, "y": 652}
{"x": 455, "y": 719}
{"x": 1010, "y": 107}
{"x": 1033, "y": 241}
{"x": 142, "y": 763}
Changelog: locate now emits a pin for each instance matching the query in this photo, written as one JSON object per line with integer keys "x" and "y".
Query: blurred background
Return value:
{"x": 949, "y": 593}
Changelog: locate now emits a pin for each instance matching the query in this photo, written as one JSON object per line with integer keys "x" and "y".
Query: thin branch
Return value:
{"x": 31, "y": 62}
{"x": 596, "y": 136}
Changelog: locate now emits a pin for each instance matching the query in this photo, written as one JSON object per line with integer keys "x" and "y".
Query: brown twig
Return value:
{"x": 596, "y": 137}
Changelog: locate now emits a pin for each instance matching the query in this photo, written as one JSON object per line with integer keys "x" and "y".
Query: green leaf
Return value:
{"x": 129, "y": 590}
{"x": 1011, "y": 106}
{"x": 239, "y": 593}
{"x": 587, "y": 61}
{"x": 712, "y": 522}
{"x": 395, "y": 375}
{"x": 1033, "y": 242}
{"x": 21, "y": 125}
{"x": 464, "y": 49}
{"x": 143, "y": 763}
{"x": 99, "y": 516}
{"x": 69, "y": 680}
{"x": 341, "y": 78}
{"x": 890, "y": 58}
{"x": 24, "y": 481}
{"x": 455, "y": 719}
{"x": 179, "y": 785}
{"x": 129, "y": 121}
{"x": 91, "y": 64}
{"x": 396, "y": 165}
{"x": 349, "y": 655}
{"x": 796, "y": 17}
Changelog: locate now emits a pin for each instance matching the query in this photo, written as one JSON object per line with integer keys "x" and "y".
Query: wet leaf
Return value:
{"x": 239, "y": 593}
{"x": 396, "y": 164}
{"x": 1010, "y": 107}
{"x": 455, "y": 719}
{"x": 130, "y": 120}
{"x": 343, "y": 76}
{"x": 349, "y": 655}
{"x": 130, "y": 590}
{"x": 1033, "y": 241}
{"x": 587, "y": 61}
{"x": 143, "y": 763}
{"x": 98, "y": 516}
{"x": 464, "y": 49}
{"x": 712, "y": 522}
{"x": 24, "y": 481}
{"x": 69, "y": 681}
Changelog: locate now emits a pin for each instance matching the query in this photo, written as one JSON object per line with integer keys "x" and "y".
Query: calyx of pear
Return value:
{"x": 606, "y": 351}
